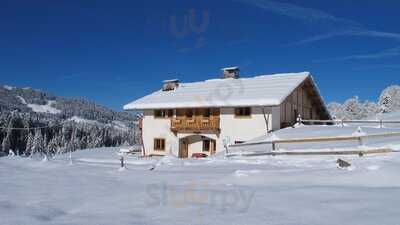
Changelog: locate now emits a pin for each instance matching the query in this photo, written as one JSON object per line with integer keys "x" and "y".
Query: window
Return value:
{"x": 207, "y": 112}
{"x": 170, "y": 113}
{"x": 163, "y": 113}
{"x": 206, "y": 145}
{"x": 189, "y": 113}
{"x": 243, "y": 112}
{"x": 158, "y": 113}
{"x": 159, "y": 144}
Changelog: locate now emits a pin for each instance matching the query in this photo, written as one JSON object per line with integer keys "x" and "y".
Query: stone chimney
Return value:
{"x": 170, "y": 85}
{"x": 230, "y": 72}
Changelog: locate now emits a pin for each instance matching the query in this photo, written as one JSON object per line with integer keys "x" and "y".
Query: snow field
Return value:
{"x": 251, "y": 190}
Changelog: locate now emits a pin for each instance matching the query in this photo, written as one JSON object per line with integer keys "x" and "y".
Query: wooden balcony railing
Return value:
{"x": 196, "y": 124}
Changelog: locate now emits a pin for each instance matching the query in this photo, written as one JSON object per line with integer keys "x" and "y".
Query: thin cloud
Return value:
{"x": 385, "y": 66}
{"x": 322, "y": 37}
{"x": 381, "y": 34}
{"x": 353, "y": 32}
{"x": 343, "y": 27}
{"x": 392, "y": 52}
{"x": 297, "y": 12}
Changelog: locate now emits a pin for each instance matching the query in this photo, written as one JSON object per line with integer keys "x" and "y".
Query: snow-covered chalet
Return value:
{"x": 186, "y": 119}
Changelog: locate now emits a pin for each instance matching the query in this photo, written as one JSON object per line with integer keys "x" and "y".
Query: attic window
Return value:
{"x": 189, "y": 113}
{"x": 207, "y": 112}
{"x": 163, "y": 113}
{"x": 243, "y": 112}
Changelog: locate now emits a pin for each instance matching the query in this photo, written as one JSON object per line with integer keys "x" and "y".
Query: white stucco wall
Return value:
{"x": 158, "y": 128}
{"x": 276, "y": 115}
{"x": 243, "y": 128}
{"x": 232, "y": 129}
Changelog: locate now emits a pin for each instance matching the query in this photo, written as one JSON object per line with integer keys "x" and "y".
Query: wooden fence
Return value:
{"x": 321, "y": 139}
{"x": 359, "y": 138}
{"x": 335, "y": 152}
{"x": 342, "y": 122}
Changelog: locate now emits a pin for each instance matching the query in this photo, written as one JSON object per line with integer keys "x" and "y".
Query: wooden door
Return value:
{"x": 213, "y": 147}
{"x": 183, "y": 149}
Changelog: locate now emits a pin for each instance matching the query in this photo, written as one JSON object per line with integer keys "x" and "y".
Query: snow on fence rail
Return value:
{"x": 358, "y": 138}
{"x": 334, "y": 152}
{"x": 342, "y": 122}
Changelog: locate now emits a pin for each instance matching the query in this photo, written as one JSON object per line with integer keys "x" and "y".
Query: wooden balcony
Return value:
{"x": 196, "y": 124}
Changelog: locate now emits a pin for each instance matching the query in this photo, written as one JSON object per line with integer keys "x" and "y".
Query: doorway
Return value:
{"x": 183, "y": 148}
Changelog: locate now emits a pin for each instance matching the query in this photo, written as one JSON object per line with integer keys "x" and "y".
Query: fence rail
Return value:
{"x": 358, "y": 138}
{"x": 319, "y": 139}
{"x": 342, "y": 122}
{"x": 344, "y": 152}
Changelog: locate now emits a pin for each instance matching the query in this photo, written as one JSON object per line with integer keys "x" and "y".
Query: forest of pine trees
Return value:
{"x": 26, "y": 132}
{"x": 26, "y": 136}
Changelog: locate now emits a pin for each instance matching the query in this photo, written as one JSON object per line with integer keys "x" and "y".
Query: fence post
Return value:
{"x": 381, "y": 125}
{"x": 273, "y": 145}
{"x": 122, "y": 161}
{"x": 342, "y": 123}
{"x": 360, "y": 141}
{"x": 299, "y": 119}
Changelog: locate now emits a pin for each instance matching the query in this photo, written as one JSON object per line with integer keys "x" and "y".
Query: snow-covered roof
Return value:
{"x": 264, "y": 90}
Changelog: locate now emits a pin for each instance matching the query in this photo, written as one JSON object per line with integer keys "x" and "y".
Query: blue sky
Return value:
{"x": 113, "y": 52}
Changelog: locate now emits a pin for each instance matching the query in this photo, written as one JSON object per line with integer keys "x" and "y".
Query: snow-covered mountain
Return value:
{"x": 69, "y": 123}
{"x": 28, "y": 100}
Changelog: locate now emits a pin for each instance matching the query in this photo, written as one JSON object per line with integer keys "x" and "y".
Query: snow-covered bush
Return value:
{"x": 336, "y": 110}
{"x": 389, "y": 101}
{"x": 369, "y": 109}
{"x": 352, "y": 108}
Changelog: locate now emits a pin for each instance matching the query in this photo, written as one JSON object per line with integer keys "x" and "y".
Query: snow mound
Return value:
{"x": 169, "y": 161}
{"x": 78, "y": 119}
{"x": 373, "y": 167}
{"x": 22, "y": 100}
{"x": 245, "y": 173}
{"x": 119, "y": 125}
{"x": 358, "y": 133}
{"x": 48, "y": 108}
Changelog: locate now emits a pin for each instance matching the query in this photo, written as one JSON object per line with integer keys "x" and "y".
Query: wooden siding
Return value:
{"x": 196, "y": 124}
{"x": 305, "y": 101}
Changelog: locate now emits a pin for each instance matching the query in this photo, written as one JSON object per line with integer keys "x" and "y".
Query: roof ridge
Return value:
{"x": 252, "y": 77}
